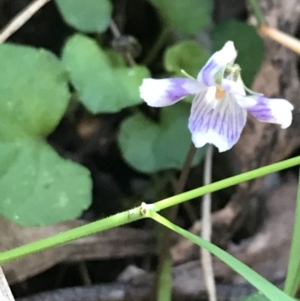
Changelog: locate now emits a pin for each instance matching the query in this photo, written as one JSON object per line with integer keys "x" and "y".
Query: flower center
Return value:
{"x": 219, "y": 93}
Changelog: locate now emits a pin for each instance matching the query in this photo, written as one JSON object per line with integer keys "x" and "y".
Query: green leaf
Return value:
{"x": 263, "y": 285}
{"x": 34, "y": 92}
{"x": 188, "y": 16}
{"x": 38, "y": 187}
{"x": 186, "y": 55}
{"x": 150, "y": 147}
{"x": 92, "y": 16}
{"x": 102, "y": 86}
{"x": 248, "y": 43}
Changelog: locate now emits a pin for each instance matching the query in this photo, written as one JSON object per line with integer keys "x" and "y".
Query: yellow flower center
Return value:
{"x": 219, "y": 93}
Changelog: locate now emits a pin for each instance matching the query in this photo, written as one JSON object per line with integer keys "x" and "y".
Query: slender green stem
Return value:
{"x": 257, "y": 12}
{"x": 135, "y": 214}
{"x": 268, "y": 289}
{"x": 73, "y": 234}
{"x": 247, "y": 176}
{"x": 293, "y": 272}
{"x": 164, "y": 254}
{"x": 159, "y": 43}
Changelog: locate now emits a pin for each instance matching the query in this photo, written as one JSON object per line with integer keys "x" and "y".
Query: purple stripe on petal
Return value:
{"x": 219, "y": 122}
{"x": 165, "y": 92}
{"x": 217, "y": 62}
{"x": 272, "y": 110}
{"x": 176, "y": 89}
{"x": 207, "y": 73}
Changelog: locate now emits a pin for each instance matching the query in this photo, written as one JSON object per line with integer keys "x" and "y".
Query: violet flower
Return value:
{"x": 219, "y": 109}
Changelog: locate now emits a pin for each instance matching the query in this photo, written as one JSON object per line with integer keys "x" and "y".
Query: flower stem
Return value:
{"x": 257, "y": 12}
{"x": 135, "y": 214}
{"x": 206, "y": 258}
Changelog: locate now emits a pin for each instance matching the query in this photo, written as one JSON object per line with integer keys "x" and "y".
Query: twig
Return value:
{"x": 117, "y": 34}
{"x": 20, "y": 19}
{"x": 166, "y": 237}
{"x": 114, "y": 29}
{"x": 84, "y": 273}
{"x": 206, "y": 258}
{"x": 5, "y": 292}
{"x": 280, "y": 37}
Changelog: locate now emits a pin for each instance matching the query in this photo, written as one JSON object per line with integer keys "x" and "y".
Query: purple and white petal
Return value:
{"x": 218, "y": 61}
{"x": 219, "y": 122}
{"x": 272, "y": 110}
{"x": 165, "y": 92}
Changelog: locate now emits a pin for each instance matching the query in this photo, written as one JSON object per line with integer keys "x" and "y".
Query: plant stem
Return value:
{"x": 257, "y": 12}
{"x": 206, "y": 258}
{"x": 293, "y": 272}
{"x": 159, "y": 43}
{"x": 117, "y": 34}
{"x": 247, "y": 176}
{"x": 73, "y": 234}
{"x": 166, "y": 237}
{"x": 135, "y": 214}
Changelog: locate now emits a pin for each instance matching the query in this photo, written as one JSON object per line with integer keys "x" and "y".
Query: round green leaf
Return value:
{"x": 34, "y": 92}
{"x": 151, "y": 147}
{"x": 188, "y": 16}
{"x": 186, "y": 55}
{"x": 38, "y": 187}
{"x": 102, "y": 86}
{"x": 130, "y": 80}
{"x": 90, "y": 16}
{"x": 248, "y": 43}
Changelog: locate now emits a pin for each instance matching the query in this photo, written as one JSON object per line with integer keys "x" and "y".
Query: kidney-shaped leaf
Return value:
{"x": 87, "y": 15}
{"x": 188, "y": 16}
{"x": 33, "y": 91}
{"x": 101, "y": 85}
{"x": 37, "y": 187}
{"x": 186, "y": 55}
{"x": 151, "y": 147}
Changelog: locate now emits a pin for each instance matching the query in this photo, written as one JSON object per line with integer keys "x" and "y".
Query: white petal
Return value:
{"x": 272, "y": 110}
{"x": 165, "y": 92}
{"x": 236, "y": 87}
{"x": 218, "y": 61}
{"x": 219, "y": 122}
